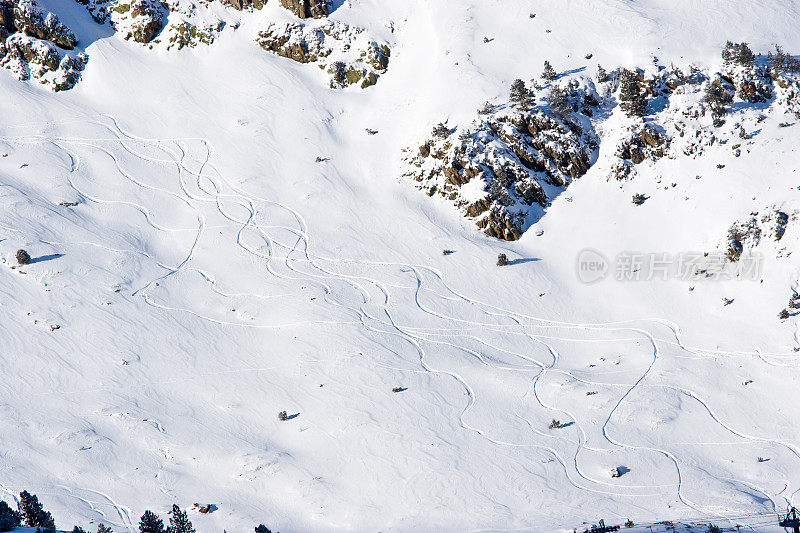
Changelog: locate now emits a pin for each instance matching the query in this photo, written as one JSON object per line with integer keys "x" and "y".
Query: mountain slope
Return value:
{"x": 253, "y": 279}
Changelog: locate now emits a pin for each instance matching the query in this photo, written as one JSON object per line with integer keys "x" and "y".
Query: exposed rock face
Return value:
{"x": 504, "y": 173}
{"x": 307, "y": 8}
{"x": 343, "y": 52}
{"x": 758, "y": 233}
{"x": 31, "y": 44}
{"x": 30, "y": 20}
{"x": 504, "y": 170}
{"x": 140, "y": 20}
{"x": 245, "y": 4}
{"x": 644, "y": 142}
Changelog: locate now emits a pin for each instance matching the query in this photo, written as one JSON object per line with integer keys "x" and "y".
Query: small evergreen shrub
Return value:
{"x": 23, "y": 258}
{"x": 549, "y": 73}
{"x": 602, "y": 75}
{"x": 440, "y": 131}
{"x": 282, "y": 416}
{"x": 502, "y": 260}
{"x": 639, "y": 199}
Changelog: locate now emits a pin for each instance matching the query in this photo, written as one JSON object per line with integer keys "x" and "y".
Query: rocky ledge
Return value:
{"x": 346, "y": 54}
{"x": 35, "y": 44}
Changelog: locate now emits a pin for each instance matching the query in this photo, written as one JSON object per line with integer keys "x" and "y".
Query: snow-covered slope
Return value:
{"x": 212, "y": 273}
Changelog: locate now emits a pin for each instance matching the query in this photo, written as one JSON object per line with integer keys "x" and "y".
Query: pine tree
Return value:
{"x": 520, "y": 95}
{"x": 632, "y": 101}
{"x": 102, "y": 528}
{"x": 77, "y": 529}
{"x": 32, "y": 513}
{"x": 559, "y": 101}
{"x": 549, "y": 73}
{"x": 9, "y": 518}
{"x": 150, "y": 523}
{"x": 263, "y": 529}
{"x": 179, "y": 521}
{"x": 602, "y": 75}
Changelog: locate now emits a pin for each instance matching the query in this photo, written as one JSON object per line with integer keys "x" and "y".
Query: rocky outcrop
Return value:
{"x": 644, "y": 142}
{"x": 140, "y": 20}
{"x": 344, "y": 53}
{"x": 32, "y": 21}
{"x": 34, "y": 44}
{"x": 307, "y": 8}
{"x": 245, "y": 4}
{"x": 758, "y": 232}
{"x": 505, "y": 170}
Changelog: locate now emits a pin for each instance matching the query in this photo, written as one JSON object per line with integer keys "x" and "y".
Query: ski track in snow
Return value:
{"x": 202, "y": 187}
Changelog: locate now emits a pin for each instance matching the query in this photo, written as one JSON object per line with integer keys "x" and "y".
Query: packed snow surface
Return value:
{"x": 196, "y": 271}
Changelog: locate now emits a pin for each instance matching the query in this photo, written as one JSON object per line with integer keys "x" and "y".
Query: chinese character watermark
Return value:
{"x": 593, "y": 266}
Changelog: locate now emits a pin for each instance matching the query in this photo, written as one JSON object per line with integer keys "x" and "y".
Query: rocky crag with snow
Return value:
{"x": 35, "y": 44}
{"x": 503, "y": 170}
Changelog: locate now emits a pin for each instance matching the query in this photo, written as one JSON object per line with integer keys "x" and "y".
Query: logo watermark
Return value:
{"x": 593, "y": 266}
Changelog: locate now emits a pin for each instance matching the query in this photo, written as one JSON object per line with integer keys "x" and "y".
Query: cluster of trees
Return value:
{"x": 31, "y": 513}
{"x": 738, "y": 54}
{"x": 781, "y": 62}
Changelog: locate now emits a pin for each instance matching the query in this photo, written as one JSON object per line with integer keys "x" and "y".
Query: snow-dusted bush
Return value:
{"x": 738, "y": 54}
{"x": 440, "y": 131}
{"x": 23, "y": 258}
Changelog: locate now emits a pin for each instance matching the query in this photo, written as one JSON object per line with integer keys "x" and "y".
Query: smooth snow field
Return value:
{"x": 206, "y": 272}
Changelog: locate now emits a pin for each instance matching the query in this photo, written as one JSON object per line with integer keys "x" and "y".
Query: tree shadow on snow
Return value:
{"x": 522, "y": 260}
{"x": 333, "y": 5}
{"x": 290, "y": 417}
{"x": 43, "y": 258}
